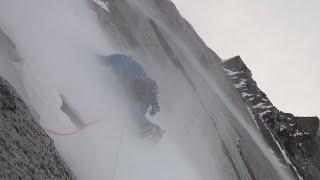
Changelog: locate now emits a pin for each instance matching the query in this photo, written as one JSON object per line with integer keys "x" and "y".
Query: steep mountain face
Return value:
{"x": 213, "y": 132}
{"x": 298, "y": 136}
{"x": 155, "y": 32}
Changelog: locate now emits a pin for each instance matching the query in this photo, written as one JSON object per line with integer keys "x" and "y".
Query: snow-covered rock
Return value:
{"x": 295, "y": 136}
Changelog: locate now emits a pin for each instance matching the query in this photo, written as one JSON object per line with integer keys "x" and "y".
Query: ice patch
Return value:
{"x": 297, "y": 133}
{"x": 258, "y": 105}
{"x": 225, "y": 60}
{"x": 265, "y": 112}
{"x": 103, "y": 4}
{"x": 291, "y": 124}
{"x": 246, "y": 94}
{"x": 282, "y": 128}
{"x": 231, "y": 73}
{"x": 241, "y": 84}
{"x": 266, "y": 107}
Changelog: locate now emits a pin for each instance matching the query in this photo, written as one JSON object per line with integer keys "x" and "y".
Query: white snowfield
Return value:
{"x": 58, "y": 42}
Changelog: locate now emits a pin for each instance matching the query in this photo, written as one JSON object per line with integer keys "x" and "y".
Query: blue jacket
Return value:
{"x": 127, "y": 69}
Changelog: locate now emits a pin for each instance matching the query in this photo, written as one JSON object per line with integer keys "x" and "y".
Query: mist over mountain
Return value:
{"x": 68, "y": 119}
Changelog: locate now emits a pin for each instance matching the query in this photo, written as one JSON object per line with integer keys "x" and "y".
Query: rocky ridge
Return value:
{"x": 296, "y": 137}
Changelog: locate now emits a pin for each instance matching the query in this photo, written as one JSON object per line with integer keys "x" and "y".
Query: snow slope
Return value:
{"x": 210, "y": 133}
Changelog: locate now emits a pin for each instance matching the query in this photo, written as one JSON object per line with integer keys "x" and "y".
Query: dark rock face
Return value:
{"x": 242, "y": 78}
{"x": 298, "y": 136}
{"x": 26, "y": 152}
{"x": 308, "y": 124}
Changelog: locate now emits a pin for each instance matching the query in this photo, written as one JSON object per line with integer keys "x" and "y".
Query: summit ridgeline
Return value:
{"x": 296, "y": 137}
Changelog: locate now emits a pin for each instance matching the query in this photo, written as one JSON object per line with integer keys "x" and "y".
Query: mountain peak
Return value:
{"x": 298, "y": 137}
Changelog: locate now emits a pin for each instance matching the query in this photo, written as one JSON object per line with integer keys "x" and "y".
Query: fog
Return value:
{"x": 59, "y": 41}
{"x": 277, "y": 40}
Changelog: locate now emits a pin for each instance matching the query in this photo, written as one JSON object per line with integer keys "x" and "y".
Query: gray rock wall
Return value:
{"x": 26, "y": 151}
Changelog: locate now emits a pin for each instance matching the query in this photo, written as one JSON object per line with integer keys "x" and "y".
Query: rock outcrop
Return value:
{"x": 26, "y": 151}
{"x": 297, "y": 136}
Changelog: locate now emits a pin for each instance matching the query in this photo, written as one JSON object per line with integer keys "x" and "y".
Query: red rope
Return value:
{"x": 70, "y": 133}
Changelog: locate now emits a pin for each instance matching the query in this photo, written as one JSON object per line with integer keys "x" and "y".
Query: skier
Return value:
{"x": 142, "y": 90}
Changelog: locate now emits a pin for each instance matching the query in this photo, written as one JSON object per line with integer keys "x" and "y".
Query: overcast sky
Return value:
{"x": 278, "y": 40}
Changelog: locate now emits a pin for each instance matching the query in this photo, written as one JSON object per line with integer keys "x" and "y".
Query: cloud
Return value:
{"x": 278, "y": 40}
